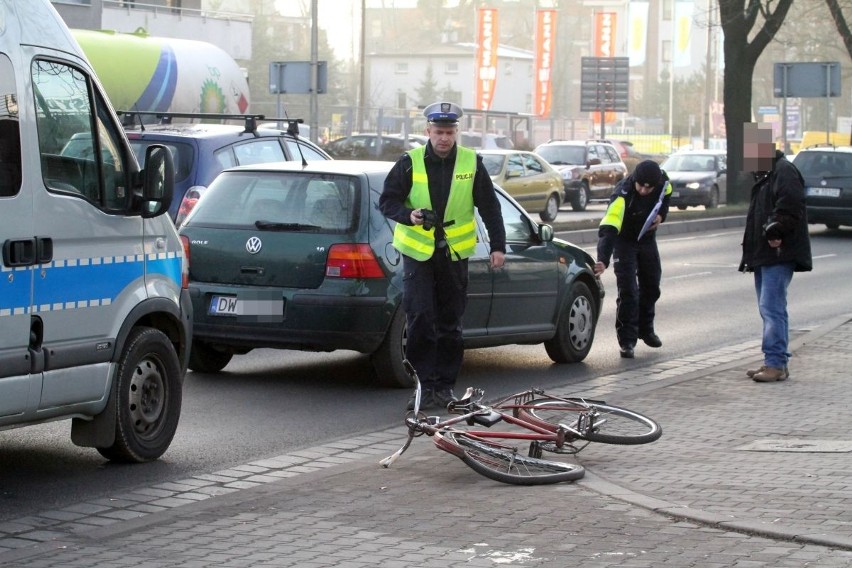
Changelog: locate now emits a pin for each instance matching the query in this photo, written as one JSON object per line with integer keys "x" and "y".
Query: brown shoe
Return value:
{"x": 752, "y": 372}
{"x": 771, "y": 375}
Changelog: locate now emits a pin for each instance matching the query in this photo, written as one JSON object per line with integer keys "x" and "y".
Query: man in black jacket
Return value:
{"x": 775, "y": 244}
{"x": 431, "y": 193}
{"x": 627, "y": 233}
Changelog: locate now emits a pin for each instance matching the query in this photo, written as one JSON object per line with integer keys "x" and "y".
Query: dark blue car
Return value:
{"x": 202, "y": 150}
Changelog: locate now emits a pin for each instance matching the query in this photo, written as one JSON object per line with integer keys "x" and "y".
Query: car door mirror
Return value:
{"x": 545, "y": 233}
{"x": 594, "y": 162}
{"x": 158, "y": 181}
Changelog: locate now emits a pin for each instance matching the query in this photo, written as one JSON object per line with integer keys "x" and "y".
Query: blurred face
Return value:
{"x": 442, "y": 137}
{"x": 644, "y": 188}
{"x": 758, "y": 148}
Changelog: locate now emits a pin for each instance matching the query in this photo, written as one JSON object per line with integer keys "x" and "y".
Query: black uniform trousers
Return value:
{"x": 434, "y": 299}
{"x": 637, "y": 276}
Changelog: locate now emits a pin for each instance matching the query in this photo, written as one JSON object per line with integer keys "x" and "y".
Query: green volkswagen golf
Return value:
{"x": 296, "y": 256}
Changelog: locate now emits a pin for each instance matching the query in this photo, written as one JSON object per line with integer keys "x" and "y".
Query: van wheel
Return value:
{"x": 387, "y": 359}
{"x": 147, "y": 397}
{"x": 681, "y": 207}
{"x": 204, "y": 358}
{"x": 575, "y": 330}
{"x": 551, "y": 209}
{"x": 581, "y": 199}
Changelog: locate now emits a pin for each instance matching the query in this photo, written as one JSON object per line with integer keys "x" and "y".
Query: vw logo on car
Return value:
{"x": 253, "y": 245}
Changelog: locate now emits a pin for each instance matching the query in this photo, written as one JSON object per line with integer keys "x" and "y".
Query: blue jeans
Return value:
{"x": 771, "y": 282}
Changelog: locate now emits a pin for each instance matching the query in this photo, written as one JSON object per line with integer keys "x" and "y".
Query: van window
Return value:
{"x": 78, "y": 142}
{"x": 10, "y": 135}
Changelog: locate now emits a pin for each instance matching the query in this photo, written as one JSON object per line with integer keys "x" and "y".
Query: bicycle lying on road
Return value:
{"x": 553, "y": 424}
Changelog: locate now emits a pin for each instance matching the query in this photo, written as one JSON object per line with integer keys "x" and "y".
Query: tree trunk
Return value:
{"x": 738, "y": 18}
{"x": 737, "y": 97}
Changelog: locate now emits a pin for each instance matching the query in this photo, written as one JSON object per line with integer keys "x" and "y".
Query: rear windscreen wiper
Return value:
{"x": 273, "y": 226}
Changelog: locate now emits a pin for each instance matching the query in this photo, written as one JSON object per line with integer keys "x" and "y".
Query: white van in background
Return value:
{"x": 95, "y": 322}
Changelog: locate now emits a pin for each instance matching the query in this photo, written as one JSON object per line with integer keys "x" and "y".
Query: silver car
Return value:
{"x": 698, "y": 177}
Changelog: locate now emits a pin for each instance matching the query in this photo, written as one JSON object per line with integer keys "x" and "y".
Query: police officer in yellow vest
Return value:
{"x": 627, "y": 233}
{"x": 431, "y": 193}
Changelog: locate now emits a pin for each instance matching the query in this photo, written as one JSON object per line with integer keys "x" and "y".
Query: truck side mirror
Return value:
{"x": 158, "y": 184}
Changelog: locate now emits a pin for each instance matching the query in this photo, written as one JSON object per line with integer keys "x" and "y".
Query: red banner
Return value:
{"x": 545, "y": 44}
{"x": 487, "y": 40}
{"x": 605, "y": 28}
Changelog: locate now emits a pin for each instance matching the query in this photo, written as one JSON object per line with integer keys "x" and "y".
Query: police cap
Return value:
{"x": 443, "y": 113}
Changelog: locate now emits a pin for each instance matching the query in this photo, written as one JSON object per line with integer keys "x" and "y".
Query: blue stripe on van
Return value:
{"x": 170, "y": 267}
{"x": 15, "y": 291}
{"x": 82, "y": 283}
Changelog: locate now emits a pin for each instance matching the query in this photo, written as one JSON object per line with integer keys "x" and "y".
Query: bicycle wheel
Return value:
{"x": 503, "y": 464}
{"x": 594, "y": 421}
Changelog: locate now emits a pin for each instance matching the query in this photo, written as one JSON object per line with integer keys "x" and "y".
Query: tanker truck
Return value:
{"x": 144, "y": 73}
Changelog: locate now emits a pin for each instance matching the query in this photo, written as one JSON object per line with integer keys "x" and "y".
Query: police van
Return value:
{"x": 95, "y": 321}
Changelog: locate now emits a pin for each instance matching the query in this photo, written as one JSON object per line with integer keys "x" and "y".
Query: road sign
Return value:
{"x": 818, "y": 79}
{"x": 604, "y": 84}
{"x": 294, "y": 77}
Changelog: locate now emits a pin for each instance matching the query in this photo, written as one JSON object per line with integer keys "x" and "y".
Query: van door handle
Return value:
{"x": 44, "y": 250}
{"x": 20, "y": 252}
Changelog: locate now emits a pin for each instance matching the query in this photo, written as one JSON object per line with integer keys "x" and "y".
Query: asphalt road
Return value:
{"x": 270, "y": 402}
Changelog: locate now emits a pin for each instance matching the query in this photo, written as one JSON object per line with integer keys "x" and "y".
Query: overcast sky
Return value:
{"x": 341, "y": 19}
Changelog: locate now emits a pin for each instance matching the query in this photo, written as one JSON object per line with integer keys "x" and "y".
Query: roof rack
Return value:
{"x": 251, "y": 120}
{"x": 821, "y": 145}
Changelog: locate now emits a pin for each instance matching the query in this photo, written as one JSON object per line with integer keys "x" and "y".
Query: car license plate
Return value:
{"x": 824, "y": 191}
{"x": 675, "y": 194}
{"x": 224, "y": 306}
{"x": 263, "y": 306}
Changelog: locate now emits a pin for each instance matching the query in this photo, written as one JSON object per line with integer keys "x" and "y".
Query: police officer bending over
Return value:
{"x": 431, "y": 193}
{"x": 627, "y": 233}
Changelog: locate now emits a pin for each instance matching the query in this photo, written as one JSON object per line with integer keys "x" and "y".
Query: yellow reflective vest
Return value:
{"x": 458, "y": 222}
{"x": 616, "y": 210}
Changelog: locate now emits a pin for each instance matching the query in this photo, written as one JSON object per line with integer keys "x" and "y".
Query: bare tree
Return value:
{"x": 840, "y": 23}
{"x": 749, "y": 26}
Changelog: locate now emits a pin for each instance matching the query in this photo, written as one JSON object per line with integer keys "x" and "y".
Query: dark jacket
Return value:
{"x": 637, "y": 208}
{"x": 440, "y": 173}
{"x": 777, "y": 205}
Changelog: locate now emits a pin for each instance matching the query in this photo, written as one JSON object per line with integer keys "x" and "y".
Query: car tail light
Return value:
{"x": 184, "y": 273}
{"x": 190, "y": 198}
{"x": 352, "y": 261}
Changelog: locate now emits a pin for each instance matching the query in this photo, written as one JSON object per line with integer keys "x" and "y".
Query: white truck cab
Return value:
{"x": 95, "y": 322}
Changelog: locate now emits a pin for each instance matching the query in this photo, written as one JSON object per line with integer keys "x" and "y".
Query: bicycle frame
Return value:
{"x": 419, "y": 424}
{"x": 549, "y": 423}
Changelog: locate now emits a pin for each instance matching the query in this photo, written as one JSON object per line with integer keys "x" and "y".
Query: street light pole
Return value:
{"x": 314, "y": 73}
{"x": 672, "y": 48}
{"x": 361, "y": 66}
